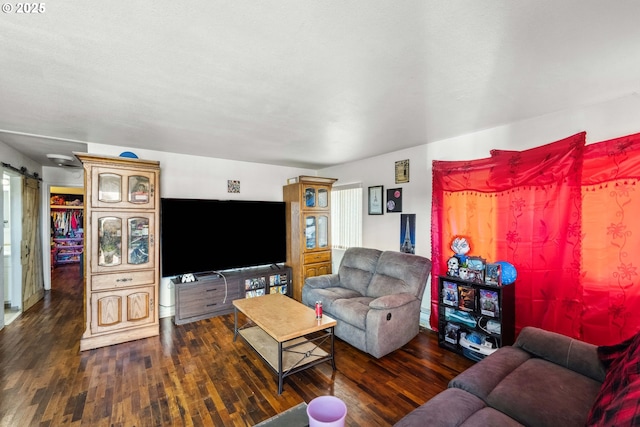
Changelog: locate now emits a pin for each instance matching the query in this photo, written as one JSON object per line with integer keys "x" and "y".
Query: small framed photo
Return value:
{"x": 475, "y": 269}
{"x": 394, "y": 200}
{"x": 402, "y": 171}
{"x": 233, "y": 186}
{"x": 493, "y": 275}
{"x": 376, "y": 200}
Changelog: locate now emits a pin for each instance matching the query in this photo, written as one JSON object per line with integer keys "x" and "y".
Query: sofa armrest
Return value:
{"x": 386, "y": 302}
{"x": 324, "y": 281}
{"x": 579, "y": 356}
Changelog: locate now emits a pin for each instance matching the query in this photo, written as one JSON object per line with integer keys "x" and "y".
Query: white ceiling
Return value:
{"x": 305, "y": 83}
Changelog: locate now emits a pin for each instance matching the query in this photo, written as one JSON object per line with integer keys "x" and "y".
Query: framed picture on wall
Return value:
{"x": 408, "y": 233}
{"x": 402, "y": 171}
{"x": 376, "y": 200}
{"x": 394, "y": 200}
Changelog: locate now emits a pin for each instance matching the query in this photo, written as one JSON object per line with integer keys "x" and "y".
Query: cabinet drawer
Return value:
{"x": 201, "y": 291}
{"x": 313, "y": 257}
{"x": 197, "y": 300}
{"x": 318, "y": 269}
{"x": 121, "y": 280}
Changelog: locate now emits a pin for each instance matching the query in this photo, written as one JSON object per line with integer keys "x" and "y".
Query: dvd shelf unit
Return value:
{"x": 212, "y": 294}
{"x": 475, "y": 319}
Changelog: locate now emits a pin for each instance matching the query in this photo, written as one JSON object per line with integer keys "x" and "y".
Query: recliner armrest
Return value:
{"x": 386, "y": 302}
{"x": 324, "y": 281}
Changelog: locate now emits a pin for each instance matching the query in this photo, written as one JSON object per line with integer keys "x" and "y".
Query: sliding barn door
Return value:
{"x": 31, "y": 249}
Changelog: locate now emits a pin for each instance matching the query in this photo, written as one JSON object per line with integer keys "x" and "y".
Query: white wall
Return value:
{"x": 602, "y": 121}
{"x": 194, "y": 176}
{"x": 202, "y": 177}
{"x": 188, "y": 176}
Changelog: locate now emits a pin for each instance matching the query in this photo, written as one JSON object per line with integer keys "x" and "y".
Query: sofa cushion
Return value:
{"x": 484, "y": 376}
{"x": 449, "y": 408}
{"x": 328, "y": 296}
{"x": 357, "y": 267}
{"x": 618, "y": 401}
{"x": 398, "y": 272}
{"x": 539, "y": 392}
{"x": 452, "y": 408}
{"x": 351, "y": 310}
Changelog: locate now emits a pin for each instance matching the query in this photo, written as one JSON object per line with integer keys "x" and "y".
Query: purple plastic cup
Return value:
{"x": 326, "y": 411}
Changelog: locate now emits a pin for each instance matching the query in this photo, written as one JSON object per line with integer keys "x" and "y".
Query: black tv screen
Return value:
{"x": 199, "y": 236}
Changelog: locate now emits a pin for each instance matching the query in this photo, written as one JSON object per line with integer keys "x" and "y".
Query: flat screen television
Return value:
{"x": 199, "y": 235}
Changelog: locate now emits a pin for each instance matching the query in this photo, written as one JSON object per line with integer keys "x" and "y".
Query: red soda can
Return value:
{"x": 318, "y": 309}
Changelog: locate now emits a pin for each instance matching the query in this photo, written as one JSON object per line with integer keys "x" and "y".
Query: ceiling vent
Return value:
{"x": 62, "y": 160}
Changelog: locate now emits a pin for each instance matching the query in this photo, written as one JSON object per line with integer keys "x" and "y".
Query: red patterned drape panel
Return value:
{"x": 521, "y": 207}
{"x": 461, "y": 206}
{"x": 539, "y": 232}
{"x": 611, "y": 240}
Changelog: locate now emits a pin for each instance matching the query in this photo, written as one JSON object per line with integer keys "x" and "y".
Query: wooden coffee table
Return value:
{"x": 277, "y": 329}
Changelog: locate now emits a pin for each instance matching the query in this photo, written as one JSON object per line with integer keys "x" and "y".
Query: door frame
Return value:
{"x": 15, "y": 212}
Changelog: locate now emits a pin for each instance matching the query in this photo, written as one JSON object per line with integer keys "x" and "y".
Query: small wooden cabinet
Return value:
{"x": 475, "y": 319}
{"x": 212, "y": 294}
{"x": 122, "y": 274}
{"x": 308, "y": 207}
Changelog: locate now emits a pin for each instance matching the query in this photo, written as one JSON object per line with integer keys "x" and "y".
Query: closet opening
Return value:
{"x": 67, "y": 232}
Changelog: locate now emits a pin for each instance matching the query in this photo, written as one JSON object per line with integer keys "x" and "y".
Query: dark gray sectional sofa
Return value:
{"x": 544, "y": 379}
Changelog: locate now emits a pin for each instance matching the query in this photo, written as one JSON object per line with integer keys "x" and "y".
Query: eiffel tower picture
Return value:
{"x": 407, "y": 245}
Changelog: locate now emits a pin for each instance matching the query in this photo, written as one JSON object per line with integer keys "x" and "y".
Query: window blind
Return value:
{"x": 346, "y": 216}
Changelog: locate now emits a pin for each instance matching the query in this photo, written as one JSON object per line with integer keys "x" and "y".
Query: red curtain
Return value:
{"x": 533, "y": 208}
{"x": 611, "y": 240}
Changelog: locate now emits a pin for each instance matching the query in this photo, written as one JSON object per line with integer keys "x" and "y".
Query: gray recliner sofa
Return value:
{"x": 375, "y": 298}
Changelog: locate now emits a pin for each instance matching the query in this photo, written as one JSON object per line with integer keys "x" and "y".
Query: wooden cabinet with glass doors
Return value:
{"x": 308, "y": 206}
{"x": 121, "y": 232}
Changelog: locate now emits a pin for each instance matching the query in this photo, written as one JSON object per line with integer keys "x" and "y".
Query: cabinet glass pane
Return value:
{"x": 138, "y": 189}
{"x": 323, "y": 231}
{"x": 138, "y": 251}
{"x": 323, "y": 198}
{"x": 109, "y": 241}
{"x": 310, "y": 232}
{"x": 310, "y": 197}
{"x": 109, "y": 187}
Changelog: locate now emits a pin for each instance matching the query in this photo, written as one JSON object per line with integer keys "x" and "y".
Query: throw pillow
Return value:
{"x": 618, "y": 402}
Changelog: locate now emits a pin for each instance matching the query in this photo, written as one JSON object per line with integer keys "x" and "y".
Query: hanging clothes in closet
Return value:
{"x": 67, "y": 222}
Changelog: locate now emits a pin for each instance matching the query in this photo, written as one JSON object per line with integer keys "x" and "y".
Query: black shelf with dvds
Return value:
{"x": 475, "y": 319}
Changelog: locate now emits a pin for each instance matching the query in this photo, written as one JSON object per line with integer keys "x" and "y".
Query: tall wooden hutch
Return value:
{"x": 308, "y": 206}
{"x": 122, "y": 273}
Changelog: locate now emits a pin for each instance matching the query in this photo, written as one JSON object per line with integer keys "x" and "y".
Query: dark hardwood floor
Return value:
{"x": 191, "y": 375}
